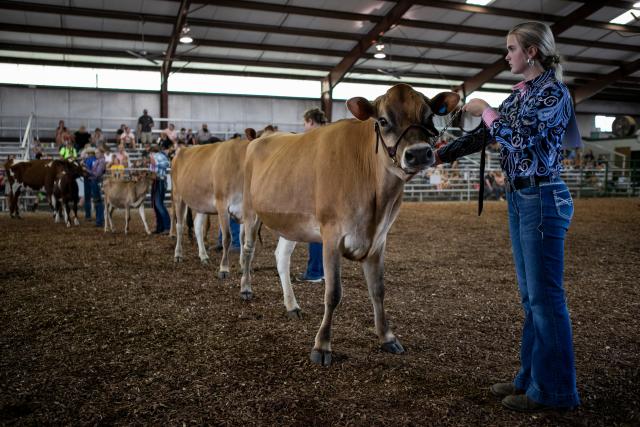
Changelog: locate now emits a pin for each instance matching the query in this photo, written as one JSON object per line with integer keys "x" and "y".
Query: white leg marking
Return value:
{"x": 283, "y": 261}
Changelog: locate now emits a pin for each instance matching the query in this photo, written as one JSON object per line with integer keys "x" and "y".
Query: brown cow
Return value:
{"x": 209, "y": 179}
{"x": 38, "y": 175}
{"x": 125, "y": 195}
{"x": 336, "y": 186}
{"x": 65, "y": 191}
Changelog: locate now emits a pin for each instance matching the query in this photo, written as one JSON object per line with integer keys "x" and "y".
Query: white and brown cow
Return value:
{"x": 38, "y": 175}
{"x": 209, "y": 180}
{"x": 336, "y": 186}
{"x": 124, "y": 194}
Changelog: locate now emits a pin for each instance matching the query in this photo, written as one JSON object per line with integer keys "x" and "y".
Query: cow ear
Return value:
{"x": 444, "y": 103}
{"x": 250, "y": 133}
{"x": 361, "y": 108}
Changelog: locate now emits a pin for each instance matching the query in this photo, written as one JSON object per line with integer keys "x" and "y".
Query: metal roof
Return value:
{"x": 446, "y": 44}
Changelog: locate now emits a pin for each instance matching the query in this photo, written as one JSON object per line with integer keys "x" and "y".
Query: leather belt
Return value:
{"x": 521, "y": 182}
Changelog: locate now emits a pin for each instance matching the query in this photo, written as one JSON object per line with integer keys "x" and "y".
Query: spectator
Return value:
{"x": 119, "y": 132}
{"x": 81, "y": 138}
{"x": 116, "y": 169}
{"x": 108, "y": 156}
{"x": 589, "y": 159}
{"x": 145, "y": 126}
{"x": 499, "y": 185}
{"x": 191, "y": 138}
{"x": 122, "y": 156}
{"x": 203, "y": 134}
{"x": 89, "y": 158}
{"x": 160, "y": 164}
{"x": 59, "y": 133}
{"x": 313, "y": 118}
{"x": 182, "y": 135}
{"x": 98, "y": 139}
{"x": 68, "y": 151}
{"x": 128, "y": 138}
{"x": 171, "y": 134}
{"x": 96, "y": 173}
{"x": 36, "y": 149}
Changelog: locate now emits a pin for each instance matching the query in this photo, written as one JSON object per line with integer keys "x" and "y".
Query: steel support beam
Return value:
{"x": 338, "y": 72}
{"x": 500, "y": 65}
{"x": 181, "y": 20}
{"x": 588, "y": 90}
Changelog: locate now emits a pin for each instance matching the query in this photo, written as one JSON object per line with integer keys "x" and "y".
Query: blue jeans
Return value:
{"x": 87, "y": 198}
{"x": 96, "y": 196}
{"x": 235, "y": 234}
{"x": 314, "y": 265}
{"x": 539, "y": 219}
{"x": 163, "y": 221}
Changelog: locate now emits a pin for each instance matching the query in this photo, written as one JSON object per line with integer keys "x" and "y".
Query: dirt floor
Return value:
{"x": 106, "y": 329}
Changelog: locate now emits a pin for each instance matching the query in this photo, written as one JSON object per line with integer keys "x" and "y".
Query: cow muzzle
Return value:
{"x": 417, "y": 157}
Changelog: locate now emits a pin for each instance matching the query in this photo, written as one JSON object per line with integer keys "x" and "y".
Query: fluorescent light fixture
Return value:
{"x": 637, "y": 5}
{"x": 379, "y": 55}
{"x": 479, "y": 2}
{"x": 626, "y": 17}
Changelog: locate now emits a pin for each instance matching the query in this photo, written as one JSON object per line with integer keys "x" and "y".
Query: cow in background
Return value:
{"x": 126, "y": 195}
{"x": 65, "y": 192}
{"x": 209, "y": 179}
{"x": 341, "y": 185}
{"x": 38, "y": 175}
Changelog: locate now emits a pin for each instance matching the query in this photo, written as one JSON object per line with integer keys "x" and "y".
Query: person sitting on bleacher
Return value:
{"x": 98, "y": 139}
{"x": 128, "y": 138}
{"x": 81, "y": 138}
{"x": 122, "y": 156}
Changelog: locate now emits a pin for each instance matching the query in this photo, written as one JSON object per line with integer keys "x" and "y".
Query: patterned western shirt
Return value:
{"x": 530, "y": 127}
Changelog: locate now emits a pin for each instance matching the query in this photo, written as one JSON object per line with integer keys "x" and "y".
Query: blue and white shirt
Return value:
{"x": 530, "y": 128}
{"x": 161, "y": 164}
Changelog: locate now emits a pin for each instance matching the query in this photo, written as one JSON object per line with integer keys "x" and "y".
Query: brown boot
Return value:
{"x": 523, "y": 403}
{"x": 504, "y": 389}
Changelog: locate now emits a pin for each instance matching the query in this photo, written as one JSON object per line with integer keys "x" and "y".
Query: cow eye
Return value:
{"x": 383, "y": 122}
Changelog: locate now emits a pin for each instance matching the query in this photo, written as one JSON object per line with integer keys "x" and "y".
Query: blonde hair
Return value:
{"x": 539, "y": 35}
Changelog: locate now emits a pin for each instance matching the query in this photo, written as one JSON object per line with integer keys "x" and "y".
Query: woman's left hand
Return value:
{"x": 475, "y": 107}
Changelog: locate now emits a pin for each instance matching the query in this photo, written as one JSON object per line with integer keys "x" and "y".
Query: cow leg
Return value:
{"x": 126, "y": 219}
{"x": 283, "y": 261}
{"x": 179, "y": 212}
{"x": 56, "y": 210}
{"x": 75, "y": 212}
{"x": 65, "y": 209}
{"x": 225, "y": 224}
{"x": 373, "y": 267}
{"x": 251, "y": 225}
{"x": 144, "y": 220}
{"x": 202, "y": 251}
{"x": 321, "y": 353}
{"x": 241, "y": 236}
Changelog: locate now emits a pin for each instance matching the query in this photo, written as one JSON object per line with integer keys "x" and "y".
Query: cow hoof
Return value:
{"x": 393, "y": 347}
{"x": 295, "y": 314}
{"x": 223, "y": 275}
{"x": 320, "y": 357}
{"x": 246, "y": 295}
{"x": 204, "y": 261}
{"x": 68, "y": 224}
{"x": 177, "y": 259}
{"x": 76, "y": 222}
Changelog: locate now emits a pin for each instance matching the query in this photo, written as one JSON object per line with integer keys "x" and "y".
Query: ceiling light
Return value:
{"x": 379, "y": 47}
{"x": 184, "y": 35}
{"x": 379, "y": 55}
{"x": 479, "y": 2}
{"x": 626, "y": 17}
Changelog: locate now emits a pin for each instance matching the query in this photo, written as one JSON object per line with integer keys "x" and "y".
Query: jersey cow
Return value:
{"x": 65, "y": 192}
{"x": 125, "y": 195}
{"x": 341, "y": 185}
{"x": 38, "y": 175}
{"x": 208, "y": 179}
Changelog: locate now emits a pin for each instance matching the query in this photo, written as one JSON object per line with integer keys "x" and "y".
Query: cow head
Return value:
{"x": 404, "y": 123}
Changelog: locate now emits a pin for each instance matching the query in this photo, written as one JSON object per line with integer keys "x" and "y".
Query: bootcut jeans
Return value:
{"x": 539, "y": 219}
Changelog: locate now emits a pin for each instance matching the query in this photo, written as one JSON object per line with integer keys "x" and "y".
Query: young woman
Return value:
{"x": 530, "y": 126}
